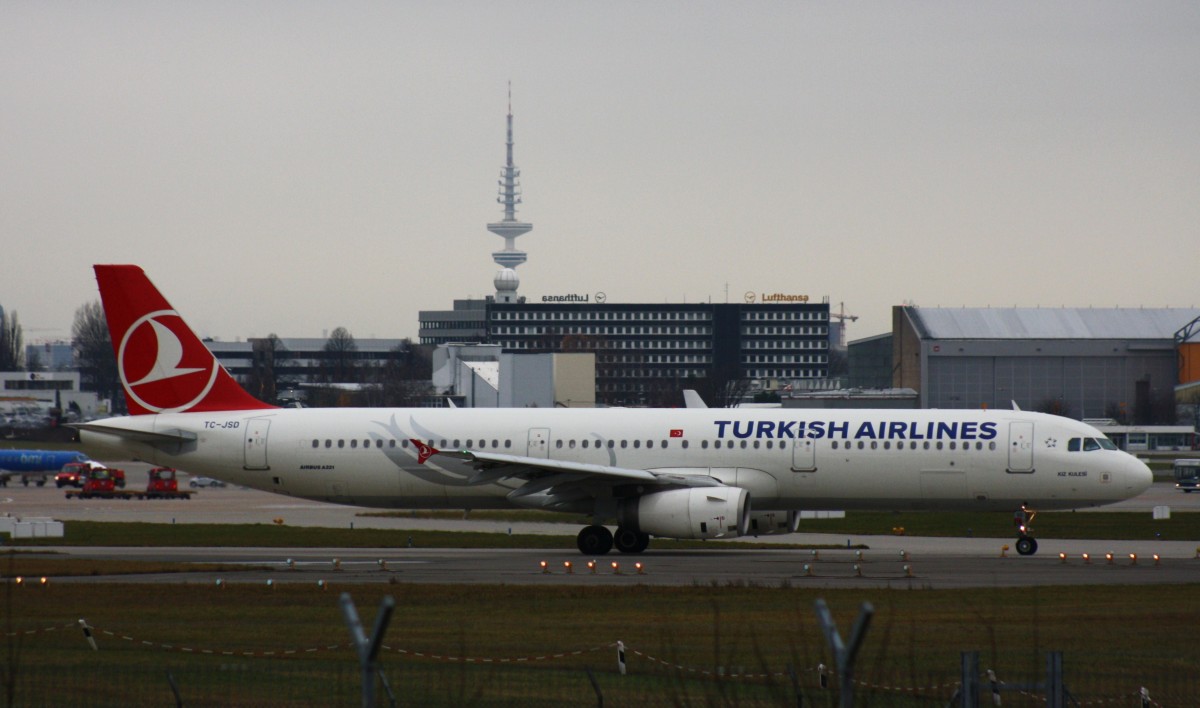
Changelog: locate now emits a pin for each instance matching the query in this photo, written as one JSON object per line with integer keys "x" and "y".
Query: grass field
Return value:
{"x": 1114, "y": 641}
{"x": 1099, "y": 525}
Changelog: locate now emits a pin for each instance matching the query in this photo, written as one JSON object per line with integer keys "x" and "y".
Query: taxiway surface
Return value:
{"x": 886, "y": 561}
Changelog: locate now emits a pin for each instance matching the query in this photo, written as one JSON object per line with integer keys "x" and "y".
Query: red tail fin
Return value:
{"x": 163, "y": 365}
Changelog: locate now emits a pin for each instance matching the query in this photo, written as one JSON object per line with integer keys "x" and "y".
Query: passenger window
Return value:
{"x": 571, "y": 444}
{"x": 341, "y": 443}
{"x": 939, "y": 445}
{"x": 685, "y": 444}
{"x": 953, "y": 444}
{"x": 703, "y": 444}
{"x": 624, "y": 444}
{"x": 860, "y": 444}
{"x": 1073, "y": 445}
{"x": 353, "y": 443}
{"x": 469, "y": 443}
{"x": 507, "y": 444}
{"x": 755, "y": 444}
{"x": 743, "y": 444}
{"x": 558, "y": 443}
{"x": 316, "y": 443}
{"x": 887, "y": 445}
{"x": 834, "y": 444}
{"x": 392, "y": 443}
{"x": 328, "y": 443}
{"x": 637, "y": 444}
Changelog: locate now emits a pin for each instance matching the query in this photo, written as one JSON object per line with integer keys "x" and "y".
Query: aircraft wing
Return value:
{"x": 493, "y": 466}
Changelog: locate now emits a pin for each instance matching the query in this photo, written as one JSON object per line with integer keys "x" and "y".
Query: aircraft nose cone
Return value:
{"x": 1139, "y": 476}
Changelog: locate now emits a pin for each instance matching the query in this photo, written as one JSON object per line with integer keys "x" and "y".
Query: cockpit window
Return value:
{"x": 1090, "y": 444}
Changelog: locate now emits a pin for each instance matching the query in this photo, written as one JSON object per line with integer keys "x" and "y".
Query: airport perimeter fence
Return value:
{"x": 153, "y": 676}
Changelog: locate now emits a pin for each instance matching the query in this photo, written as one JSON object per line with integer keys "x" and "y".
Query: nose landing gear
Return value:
{"x": 1023, "y": 519}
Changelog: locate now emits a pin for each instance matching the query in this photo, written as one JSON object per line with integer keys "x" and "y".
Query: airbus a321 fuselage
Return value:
{"x": 674, "y": 473}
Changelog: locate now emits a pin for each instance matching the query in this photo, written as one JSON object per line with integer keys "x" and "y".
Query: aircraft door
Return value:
{"x": 539, "y": 442}
{"x": 1020, "y": 446}
{"x": 256, "y": 444}
{"x": 804, "y": 455}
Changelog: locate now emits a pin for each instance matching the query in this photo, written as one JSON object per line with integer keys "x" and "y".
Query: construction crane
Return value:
{"x": 844, "y": 318}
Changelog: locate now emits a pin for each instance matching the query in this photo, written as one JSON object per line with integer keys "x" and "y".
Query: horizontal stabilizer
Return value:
{"x": 146, "y": 436}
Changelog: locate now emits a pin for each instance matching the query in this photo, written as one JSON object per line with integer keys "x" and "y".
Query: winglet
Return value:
{"x": 692, "y": 399}
{"x": 424, "y": 452}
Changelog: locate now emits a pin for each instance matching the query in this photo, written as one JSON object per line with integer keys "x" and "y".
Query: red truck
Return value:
{"x": 100, "y": 482}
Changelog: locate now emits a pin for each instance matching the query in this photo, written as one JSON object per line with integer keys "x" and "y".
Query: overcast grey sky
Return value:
{"x": 292, "y": 167}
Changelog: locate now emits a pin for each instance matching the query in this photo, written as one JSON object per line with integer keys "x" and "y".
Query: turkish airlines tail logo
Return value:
{"x": 151, "y": 361}
{"x": 170, "y": 354}
{"x": 163, "y": 365}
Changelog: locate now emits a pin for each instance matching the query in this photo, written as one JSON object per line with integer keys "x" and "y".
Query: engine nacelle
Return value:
{"x": 767, "y": 523}
{"x": 696, "y": 512}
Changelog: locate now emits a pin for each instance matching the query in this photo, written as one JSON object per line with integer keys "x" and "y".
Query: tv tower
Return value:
{"x": 508, "y": 258}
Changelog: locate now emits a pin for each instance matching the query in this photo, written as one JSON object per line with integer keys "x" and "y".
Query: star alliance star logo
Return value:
{"x": 1051, "y": 443}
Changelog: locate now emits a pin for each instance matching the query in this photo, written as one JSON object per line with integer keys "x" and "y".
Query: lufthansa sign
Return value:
{"x": 566, "y": 298}
{"x": 751, "y": 297}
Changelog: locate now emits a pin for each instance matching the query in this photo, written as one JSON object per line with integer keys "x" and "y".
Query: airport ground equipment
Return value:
{"x": 100, "y": 483}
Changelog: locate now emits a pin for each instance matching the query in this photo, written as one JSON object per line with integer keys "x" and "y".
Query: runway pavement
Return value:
{"x": 887, "y": 561}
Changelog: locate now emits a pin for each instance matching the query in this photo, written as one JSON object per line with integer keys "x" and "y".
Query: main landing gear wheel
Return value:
{"x": 1026, "y": 545}
{"x": 594, "y": 541}
{"x": 630, "y": 541}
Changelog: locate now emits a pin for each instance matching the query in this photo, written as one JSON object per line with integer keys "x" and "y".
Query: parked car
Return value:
{"x": 205, "y": 482}
{"x": 1187, "y": 484}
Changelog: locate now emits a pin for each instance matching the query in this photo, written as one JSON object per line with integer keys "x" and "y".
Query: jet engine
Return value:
{"x": 696, "y": 512}
{"x": 766, "y": 523}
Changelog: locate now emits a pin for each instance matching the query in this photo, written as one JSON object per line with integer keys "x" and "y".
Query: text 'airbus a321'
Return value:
{"x": 675, "y": 473}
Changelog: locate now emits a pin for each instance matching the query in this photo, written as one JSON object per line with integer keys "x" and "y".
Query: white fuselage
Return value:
{"x": 786, "y": 458}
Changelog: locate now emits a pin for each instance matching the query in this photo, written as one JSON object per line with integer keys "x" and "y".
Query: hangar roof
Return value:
{"x": 1051, "y": 323}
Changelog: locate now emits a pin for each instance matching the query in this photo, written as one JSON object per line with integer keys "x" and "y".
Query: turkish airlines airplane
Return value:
{"x": 675, "y": 473}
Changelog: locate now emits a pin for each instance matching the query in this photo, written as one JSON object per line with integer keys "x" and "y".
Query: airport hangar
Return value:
{"x": 1133, "y": 366}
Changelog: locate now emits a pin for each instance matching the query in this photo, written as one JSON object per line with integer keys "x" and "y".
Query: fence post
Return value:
{"x": 969, "y": 689}
{"x": 796, "y": 686}
{"x": 596, "y": 688}
{"x": 1054, "y": 680}
{"x": 368, "y": 648}
{"x": 845, "y": 654}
